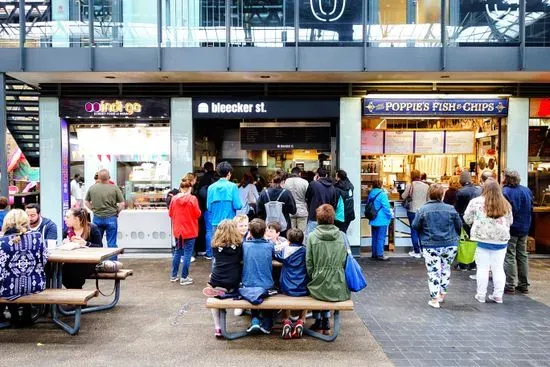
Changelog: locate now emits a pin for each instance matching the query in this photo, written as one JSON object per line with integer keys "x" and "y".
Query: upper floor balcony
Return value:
{"x": 283, "y": 35}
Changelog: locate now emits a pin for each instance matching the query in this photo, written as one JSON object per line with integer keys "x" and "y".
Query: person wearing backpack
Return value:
{"x": 345, "y": 190}
{"x": 276, "y": 204}
{"x": 379, "y": 214}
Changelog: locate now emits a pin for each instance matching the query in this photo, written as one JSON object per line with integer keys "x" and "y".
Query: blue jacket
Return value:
{"x": 294, "y": 279}
{"x": 2, "y": 216}
{"x": 257, "y": 265}
{"x": 438, "y": 224}
{"x": 223, "y": 200}
{"x": 382, "y": 204}
{"x": 48, "y": 229}
{"x": 521, "y": 200}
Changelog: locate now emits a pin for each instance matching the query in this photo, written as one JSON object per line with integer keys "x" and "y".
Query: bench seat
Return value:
{"x": 281, "y": 302}
{"x": 75, "y": 297}
{"x": 122, "y": 274}
{"x": 56, "y": 297}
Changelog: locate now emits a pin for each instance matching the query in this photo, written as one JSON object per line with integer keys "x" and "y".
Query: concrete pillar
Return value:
{"x": 51, "y": 180}
{"x": 3, "y": 143}
{"x": 516, "y": 137}
{"x": 350, "y": 160}
{"x": 181, "y": 126}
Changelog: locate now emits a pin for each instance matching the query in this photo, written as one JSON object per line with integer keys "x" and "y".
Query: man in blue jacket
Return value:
{"x": 222, "y": 199}
{"x": 516, "y": 263}
{"x": 38, "y": 223}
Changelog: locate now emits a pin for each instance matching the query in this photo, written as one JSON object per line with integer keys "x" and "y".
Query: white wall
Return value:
{"x": 350, "y": 159}
{"x": 181, "y": 125}
{"x": 517, "y": 137}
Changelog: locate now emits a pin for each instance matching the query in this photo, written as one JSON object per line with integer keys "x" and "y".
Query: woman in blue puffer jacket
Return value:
{"x": 379, "y": 225}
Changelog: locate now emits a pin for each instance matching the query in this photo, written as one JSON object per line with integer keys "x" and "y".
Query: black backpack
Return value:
{"x": 370, "y": 211}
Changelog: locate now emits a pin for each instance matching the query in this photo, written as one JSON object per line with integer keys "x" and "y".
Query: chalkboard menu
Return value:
{"x": 283, "y": 136}
{"x": 539, "y": 141}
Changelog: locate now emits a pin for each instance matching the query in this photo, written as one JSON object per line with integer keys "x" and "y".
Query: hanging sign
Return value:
{"x": 434, "y": 107}
{"x": 115, "y": 108}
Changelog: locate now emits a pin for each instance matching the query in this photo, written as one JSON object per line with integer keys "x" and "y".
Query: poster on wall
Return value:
{"x": 429, "y": 142}
{"x": 459, "y": 142}
{"x": 372, "y": 142}
{"x": 539, "y": 107}
{"x": 399, "y": 142}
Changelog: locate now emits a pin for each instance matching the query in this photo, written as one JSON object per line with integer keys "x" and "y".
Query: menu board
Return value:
{"x": 429, "y": 142}
{"x": 459, "y": 142}
{"x": 273, "y": 136}
{"x": 399, "y": 142}
{"x": 372, "y": 142}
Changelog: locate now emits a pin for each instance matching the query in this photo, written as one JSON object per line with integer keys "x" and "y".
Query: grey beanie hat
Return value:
{"x": 465, "y": 178}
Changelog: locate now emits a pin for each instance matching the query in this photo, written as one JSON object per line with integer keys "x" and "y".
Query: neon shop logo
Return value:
{"x": 327, "y": 10}
{"x": 115, "y": 107}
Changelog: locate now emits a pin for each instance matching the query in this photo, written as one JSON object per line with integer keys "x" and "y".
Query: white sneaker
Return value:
{"x": 434, "y": 303}
{"x": 238, "y": 312}
{"x": 186, "y": 281}
{"x": 473, "y": 277}
{"x": 479, "y": 298}
{"x": 415, "y": 254}
{"x": 193, "y": 259}
{"x": 174, "y": 279}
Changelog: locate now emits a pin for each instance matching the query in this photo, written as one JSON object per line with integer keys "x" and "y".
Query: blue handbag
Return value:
{"x": 354, "y": 275}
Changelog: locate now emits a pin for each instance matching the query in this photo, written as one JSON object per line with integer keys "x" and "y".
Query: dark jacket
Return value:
{"x": 463, "y": 197}
{"x": 48, "y": 229}
{"x": 289, "y": 206}
{"x": 521, "y": 200}
{"x": 202, "y": 188}
{"x": 345, "y": 190}
{"x": 318, "y": 193}
{"x": 94, "y": 239}
{"x": 226, "y": 267}
{"x": 294, "y": 279}
{"x": 438, "y": 224}
{"x": 450, "y": 196}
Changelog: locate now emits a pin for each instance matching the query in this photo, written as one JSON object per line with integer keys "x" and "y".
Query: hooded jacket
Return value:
{"x": 344, "y": 188}
{"x": 382, "y": 205}
{"x": 294, "y": 279}
{"x": 47, "y": 229}
{"x": 325, "y": 261}
{"x": 223, "y": 200}
{"x": 184, "y": 212}
{"x": 318, "y": 193}
{"x": 521, "y": 200}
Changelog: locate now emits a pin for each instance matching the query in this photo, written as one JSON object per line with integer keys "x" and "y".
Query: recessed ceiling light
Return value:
{"x": 445, "y": 76}
{"x": 265, "y": 76}
{"x": 110, "y": 77}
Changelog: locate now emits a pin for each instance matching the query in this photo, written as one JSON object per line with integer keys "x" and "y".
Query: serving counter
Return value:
{"x": 399, "y": 230}
{"x": 144, "y": 229}
{"x": 541, "y": 218}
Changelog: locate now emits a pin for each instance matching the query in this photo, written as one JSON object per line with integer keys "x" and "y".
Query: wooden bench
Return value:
{"x": 282, "y": 302}
{"x": 52, "y": 296}
{"x": 122, "y": 274}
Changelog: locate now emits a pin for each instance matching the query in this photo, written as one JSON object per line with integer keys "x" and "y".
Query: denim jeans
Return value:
{"x": 414, "y": 233}
{"x": 378, "y": 240}
{"x": 108, "y": 225}
{"x": 311, "y": 225}
{"x": 516, "y": 263}
{"x": 184, "y": 248}
{"x": 207, "y": 216}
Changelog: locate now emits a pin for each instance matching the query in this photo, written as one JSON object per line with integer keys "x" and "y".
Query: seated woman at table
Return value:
{"x": 79, "y": 232}
{"x": 20, "y": 278}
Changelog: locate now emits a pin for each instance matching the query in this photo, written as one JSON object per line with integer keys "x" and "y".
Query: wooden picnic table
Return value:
{"x": 85, "y": 255}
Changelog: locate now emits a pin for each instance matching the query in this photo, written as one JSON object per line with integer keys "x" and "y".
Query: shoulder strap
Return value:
{"x": 281, "y": 194}
{"x": 375, "y": 196}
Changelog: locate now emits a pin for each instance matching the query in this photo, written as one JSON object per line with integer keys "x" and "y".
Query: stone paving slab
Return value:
{"x": 463, "y": 332}
{"x": 158, "y": 323}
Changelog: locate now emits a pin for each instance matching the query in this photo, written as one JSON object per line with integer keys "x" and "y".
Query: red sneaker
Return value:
{"x": 287, "y": 329}
{"x": 298, "y": 329}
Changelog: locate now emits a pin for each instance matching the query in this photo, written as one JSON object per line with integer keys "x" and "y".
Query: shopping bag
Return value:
{"x": 354, "y": 275}
{"x": 466, "y": 249}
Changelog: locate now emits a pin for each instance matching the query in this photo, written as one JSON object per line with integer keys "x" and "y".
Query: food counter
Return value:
{"x": 541, "y": 218}
{"x": 399, "y": 231}
{"x": 144, "y": 229}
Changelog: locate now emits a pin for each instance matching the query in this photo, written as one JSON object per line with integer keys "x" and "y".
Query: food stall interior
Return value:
{"x": 267, "y": 145}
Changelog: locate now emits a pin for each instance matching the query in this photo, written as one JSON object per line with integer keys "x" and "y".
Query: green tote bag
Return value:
{"x": 466, "y": 249}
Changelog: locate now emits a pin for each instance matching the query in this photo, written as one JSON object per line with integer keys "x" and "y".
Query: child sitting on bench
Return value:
{"x": 293, "y": 280}
{"x": 273, "y": 234}
{"x": 226, "y": 265}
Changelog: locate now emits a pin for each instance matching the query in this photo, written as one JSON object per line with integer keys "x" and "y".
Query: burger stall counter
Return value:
{"x": 144, "y": 229}
{"x": 541, "y": 218}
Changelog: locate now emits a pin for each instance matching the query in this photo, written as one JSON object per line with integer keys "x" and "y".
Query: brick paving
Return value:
{"x": 463, "y": 332}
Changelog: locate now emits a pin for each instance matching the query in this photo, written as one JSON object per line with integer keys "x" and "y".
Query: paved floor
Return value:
{"x": 463, "y": 332}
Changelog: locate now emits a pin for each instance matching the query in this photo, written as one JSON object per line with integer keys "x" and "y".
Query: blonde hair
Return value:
{"x": 496, "y": 205}
{"x": 18, "y": 220}
{"x": 454, "y": 182}
{"x": 240, "y": 218}
{"x": 187, "y": 181}
{"x": 227, "y": 234}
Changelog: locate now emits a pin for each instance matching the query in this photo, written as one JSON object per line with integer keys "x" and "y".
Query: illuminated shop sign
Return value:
{"x": 259, "y": 108}
{"x": 115, "y": 108}
{"x": 435, "y": 107}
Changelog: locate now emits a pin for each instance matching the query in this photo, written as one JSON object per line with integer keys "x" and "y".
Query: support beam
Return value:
{"x": 3, "y": 133}
{"x": 22, "y": 34}
{"x": 181, "y": 126}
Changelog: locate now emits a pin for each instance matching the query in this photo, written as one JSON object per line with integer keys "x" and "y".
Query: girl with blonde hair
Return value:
{"x": 226, "y": 265}
{"x": 490, "y": 216}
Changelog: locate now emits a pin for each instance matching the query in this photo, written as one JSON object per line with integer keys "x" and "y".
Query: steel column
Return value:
{"x": 296, "y": 34}
{"x": 91, "y": 33}
{"x": 228, "y": 35}
{"x": 3, "y": 133}
{"x": 522, "y": 12}
{"x": 159, "y": 35}
{"x": 443, "y": 34}
{"x": 365, "y": 35}
{"x": 22, "y": 34}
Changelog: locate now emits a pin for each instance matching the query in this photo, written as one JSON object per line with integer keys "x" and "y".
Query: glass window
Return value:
{"x": 537, "y": 23}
